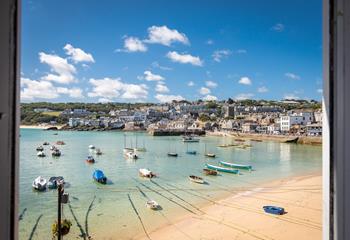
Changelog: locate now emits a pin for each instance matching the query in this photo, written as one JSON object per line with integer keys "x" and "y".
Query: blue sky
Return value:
{"x": 156, "y": 51}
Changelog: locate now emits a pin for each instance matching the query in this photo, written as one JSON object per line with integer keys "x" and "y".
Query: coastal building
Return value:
{"x": 314, "y": 129}
{"x": 273, "y": 128}
{"x": 228, "y": 111}
{"x": 249, "y": 127}
{"x": 74, "y": 122}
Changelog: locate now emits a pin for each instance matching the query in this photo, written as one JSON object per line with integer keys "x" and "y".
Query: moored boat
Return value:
{"x": 56, "y": 152}
{"x": 191, "y": 152}
{"x": 172, "y": 154}
{"x": 196, "y": 179}
{"x": 126, "y": 150}
{"x": 151, "y": 204}
{"x": 144, "y": 172}
{"x": 274, "y": 210}
{"x": 131, "y": 155}
{"x": 222, "y": 169}
{"x": 39, "y": 183}
{"x": 211, "y": 172}
{"x": 60, "y": 143}
{"x": 99, "y": 176}
{"x": 190, "y": 139}
{"x": 91, "y": 147}
{"x": 98, "y": 151}
{"x": 52, "y": 147}
{"x": 212, "y": 155}
{"x": 46, "y": 143}
{"x": 40, "y": 148}
{"x": 41, "y": 154}
{"x": 234, "y": 165}
{"x": 55, "y": 181}
{"x": 90, "y": 159}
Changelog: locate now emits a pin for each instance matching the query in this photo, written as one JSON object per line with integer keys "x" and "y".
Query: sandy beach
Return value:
{"x": 240, "y": 216}
{"x": 39, "y": 126}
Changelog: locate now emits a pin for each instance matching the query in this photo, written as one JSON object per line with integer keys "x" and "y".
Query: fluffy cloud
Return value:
{"x": 133, "y": 44}
{"x": 63, "y": 71}
{"x": 292, "y": 76}
{"x": 33, "y": 89}
{"x": 210, "y": 98}
{"x": 165, "y": 36}
{"x": 245, "y": 81}
{"x": 290, "y": 96}
{"x": 211, "y": 84}
{"x": 109, "y": 88}
{"x": 263, "y": 89}
{"x": 162, "y": 88}
{"x": 184, "y": 58}
{"x": 244, "y": 96}
{"x": 219, "y": 54}
{"x": 210, "y": 42}
{"x": 168, "y": 98}
{"x": 149, "y": 76}
{"x": 157, "y": 65}
{"x": 190, "y": 84}
{"x": 204, "y": 91}
{"x": 279, "y": 27}
{"x": 77, "y": 54}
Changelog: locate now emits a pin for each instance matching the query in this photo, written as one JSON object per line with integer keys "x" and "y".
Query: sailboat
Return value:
{"x": 140, "y": 149}
{"x": 207, "y": 154}
{"x": 127, "y": 149}
{"x": 192, "y": 152}
{"x": 172, "y": 154}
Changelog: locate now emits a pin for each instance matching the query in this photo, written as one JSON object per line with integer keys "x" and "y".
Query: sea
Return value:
{"x": 118, "y": 209}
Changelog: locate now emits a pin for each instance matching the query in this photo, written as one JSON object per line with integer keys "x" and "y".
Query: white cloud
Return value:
{"x": 263, "y": 89}
{"x": 211, "y": 84}
{"x": 184, "y": 58}
{"x": 210, "y": 98}
{"x": 204, "y": 91}
{"x": 290, "y": 96}
{"x": 109, "y": 88}
{"x": 162, "y": 88}
{"x": 104, "y": 100}
{"x": 210, "y": 42}
{"x": 320, "y": 90}
{"x": 72, "y": 92}
{"x": 157, "y": 65}
{"x": 245, "y": 81}
{"x": 190, "y": 84}
{"x": 165, "y": 36}
{"x": 77, "y": 54}
{"x": 241, "y": 51}
{"x": 168, "y": 98}
{"x": 219, "y": 54}
{"x": 64, "y": 72}
{"x": 279, "y": 27}
{"x": 133, "y": 44}
{"x": 33, "y": 89}
{"x": 149, "y": 76}
{"x": 292, "y": 76}
{"x": 244, "y": 96}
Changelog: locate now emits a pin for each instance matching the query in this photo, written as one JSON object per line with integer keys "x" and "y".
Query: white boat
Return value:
{"x": 131, "y": 155}
{"x": 98, "y": 151}
{"x": 144, "y": 172}
{"x": 40, "y": 148}
{"x": 196, "y": 179}
{"x": 151, "y": 204}
{"x": 41, "y": 154}
{"x": 127, "y": 150}
{"x": 91, "y": 147}
{"x": 53, "y": 147}
{"x": 39, "y": 183}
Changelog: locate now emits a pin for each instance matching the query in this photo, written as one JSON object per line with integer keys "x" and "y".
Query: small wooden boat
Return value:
{"x": 190, "y": 139}
{"x": 40, "y": 148}
{"x": 191, "y": 152}
{"x": 172, "y": 154}
{"x": 211, "y": 172}
{"x": 151, "y": 204}
{"x": 126, "y": 150}
{"x": 196, "y": 179}
{"x": 39, "y": 184}
{"x": 90, "y": 159}
{"x": 41, "y": 154}
{"x": 60, "y": 143}
{"x": 53, "y": 147}
{"x": 294, "y": 140}
{"x": 46, "y": 143}
{"x": 131, "y": 155}
{"x": 55, "y": 181}
{"x": 212, "y": 155}
{"x": 239, "y": 140}
{"x": 91, "y": 147}
{"x": 98, "y": 151}
{"x": 99, "y": 176}
{"x": 55, "y": 134}
{"x": 144, "y": 172}
{"x": 256, "y": 140}
{"x": 222, "y": 169}
{"x": 234, "y": 165}
{"x": 56, "y": 152}
{"x": 274, "y": 210}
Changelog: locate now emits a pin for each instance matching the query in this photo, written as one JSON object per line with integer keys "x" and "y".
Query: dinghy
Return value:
{"x": 274, "y": 210}
{"x": 56, "y": 152}
{"x": 172, "y": 154}
{"x": 98, "y": 151}
{"x": 131, "y": 155}
{"x": 144, "y": 172}
{"x": 99, "y": 176}
{"x": 39, "y": 183}
{"x": 222, "y": 169}
{"x": 190, "y": 139}
{"x": 90, "y": 159}
{"x": 40, "y": 148}
{"x": 55, "y": 181}
{"x": 191, "y": 152}
{"x": 41, "y": 154}
{"x": 234, "y": 165}
{"x": 151, "y": 204}
{"x": 46, "y": 143}
{"x": 91, "y": 147}
{"x": 196, "y": 179}
{"x": 207, "y": 171}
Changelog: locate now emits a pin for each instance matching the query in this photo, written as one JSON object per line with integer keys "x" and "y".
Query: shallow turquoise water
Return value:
{"x": 111, "y": 215}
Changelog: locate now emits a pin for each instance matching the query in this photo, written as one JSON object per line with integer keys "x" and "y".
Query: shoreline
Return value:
{"x": 43, "y": 127}
{"x": 240, "y": 215}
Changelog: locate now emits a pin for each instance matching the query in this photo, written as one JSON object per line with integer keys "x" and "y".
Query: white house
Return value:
{"x": 293, "y": 118}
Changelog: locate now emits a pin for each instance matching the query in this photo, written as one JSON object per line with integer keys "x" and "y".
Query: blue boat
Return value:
{"x": 99, "y": 176}
{"x": 274, "y": 210}
{"x": 192, "y": 152}
{"x": 222, "y": 169}
{"x": 234, "y": 165}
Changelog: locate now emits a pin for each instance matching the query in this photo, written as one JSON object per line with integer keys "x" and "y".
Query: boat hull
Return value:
{"x": 238, "y": 166}
{"x": 222, "y": 169}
